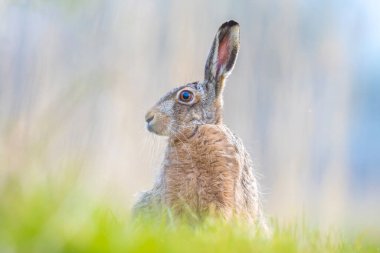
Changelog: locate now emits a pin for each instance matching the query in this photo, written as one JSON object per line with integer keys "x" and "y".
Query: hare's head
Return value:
{"x": 183, "y": 109}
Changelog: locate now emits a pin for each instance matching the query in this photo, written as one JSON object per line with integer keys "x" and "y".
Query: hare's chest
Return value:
{"x": 200, "y": 177}
{"x": 182, "y": 180}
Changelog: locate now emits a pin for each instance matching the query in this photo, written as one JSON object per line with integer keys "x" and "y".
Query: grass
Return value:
{"x": 57, "y": 218}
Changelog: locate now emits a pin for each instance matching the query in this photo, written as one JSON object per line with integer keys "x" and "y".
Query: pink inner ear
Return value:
{"x": 223, "y": 52}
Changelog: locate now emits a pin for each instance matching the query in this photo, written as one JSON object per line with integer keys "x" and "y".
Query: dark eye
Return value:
{"x": 186, "y": 96}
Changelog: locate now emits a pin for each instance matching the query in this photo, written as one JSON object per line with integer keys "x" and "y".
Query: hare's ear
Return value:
{"x": 223, "y": 54}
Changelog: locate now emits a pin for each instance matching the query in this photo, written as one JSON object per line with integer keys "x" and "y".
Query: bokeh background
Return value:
{"x": 77, "y": 76}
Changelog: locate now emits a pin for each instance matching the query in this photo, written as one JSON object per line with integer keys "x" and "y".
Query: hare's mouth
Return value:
{"x": 153, "y": 128}
{"x": 150, "y": 127}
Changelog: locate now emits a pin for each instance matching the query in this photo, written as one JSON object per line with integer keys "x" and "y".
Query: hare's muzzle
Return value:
{"x": 149, "y": 118}
{"x": 157, "y": 122}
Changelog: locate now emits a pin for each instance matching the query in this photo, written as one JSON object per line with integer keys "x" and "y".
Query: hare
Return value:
{"x": 206, "y": 169}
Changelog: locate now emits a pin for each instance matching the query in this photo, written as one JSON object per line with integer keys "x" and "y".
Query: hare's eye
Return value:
{"x": 186, "y": 96}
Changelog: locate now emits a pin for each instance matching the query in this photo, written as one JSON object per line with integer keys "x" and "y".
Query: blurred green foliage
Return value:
{"x": 58, "y": 218}
{"x": 77, "y": 77}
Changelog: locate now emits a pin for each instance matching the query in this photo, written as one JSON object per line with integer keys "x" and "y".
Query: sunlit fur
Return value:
{"x": 206, "y": 170}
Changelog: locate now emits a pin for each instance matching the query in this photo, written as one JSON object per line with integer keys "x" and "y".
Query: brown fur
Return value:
{"x": 202, "y": 172}
{"x": 206, "y": 170}
{"x": 209, "y": 173}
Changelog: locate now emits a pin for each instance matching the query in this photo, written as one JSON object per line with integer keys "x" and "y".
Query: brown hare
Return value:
{"x": 206, "y": 169}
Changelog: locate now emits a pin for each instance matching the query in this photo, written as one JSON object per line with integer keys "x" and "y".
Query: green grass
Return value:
{"x": 57, "y": 218}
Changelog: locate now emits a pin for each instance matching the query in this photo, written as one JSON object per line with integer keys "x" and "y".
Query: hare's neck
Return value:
{"x": 209, "y": 141}
{"x": 185, "y": 157}
{"x": 179, "y": 153}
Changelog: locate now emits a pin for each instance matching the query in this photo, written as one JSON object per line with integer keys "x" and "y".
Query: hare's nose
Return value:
{"x": 149, "y": 117}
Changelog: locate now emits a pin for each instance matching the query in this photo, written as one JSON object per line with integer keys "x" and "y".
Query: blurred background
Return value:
{"x": 77, "y": 77}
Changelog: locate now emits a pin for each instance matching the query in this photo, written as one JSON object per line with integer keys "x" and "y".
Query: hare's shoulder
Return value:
{"x": 216, "y": 133}
{"x": 219, "y": 134}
